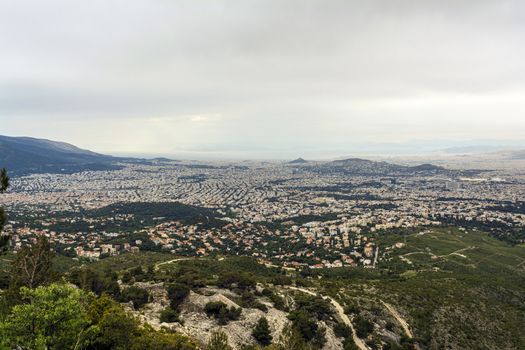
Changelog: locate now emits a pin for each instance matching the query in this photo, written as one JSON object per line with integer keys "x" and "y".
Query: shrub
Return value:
{"x": 54, "y": 317}
{"x": 261, "y": 332}
{"x": 137, "y": 295}
{"x": 218, "y": 341}
{"x": 177, "y": 293}
{"x": 221, "y": 312}
{"x": 342, "y": 330}
{"x": 169, "y": 315}
{"x": 236, "y": 280}
{"x": 308, "y": 327}
{"x": 363, "y": 327}
{"x": 314, "y": 305}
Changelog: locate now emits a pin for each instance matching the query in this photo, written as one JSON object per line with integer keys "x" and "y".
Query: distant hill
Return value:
{"x": 427, "y": 167}
{"x": 518, "y": 154}
{"x": 473, "y": 149}
{"x": 298, "y": 161}
{"x": 359, "y": 166}
{"x": 23, "y": 155}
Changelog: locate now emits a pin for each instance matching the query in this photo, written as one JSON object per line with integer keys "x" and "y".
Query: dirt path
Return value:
{"x": 169, "y": 262}
{"x": 401, "y": 320}
{"x": 434, "y": 256}
{"x": 457, "y": 252}
{"x": 340, "y": 313}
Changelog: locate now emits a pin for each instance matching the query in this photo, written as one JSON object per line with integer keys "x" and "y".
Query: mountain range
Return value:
{"x": 23, "y": 155}
{"x": 26, "y": 155}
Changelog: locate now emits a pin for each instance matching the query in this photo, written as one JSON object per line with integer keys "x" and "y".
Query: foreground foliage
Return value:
{"x": 61, "y": 316}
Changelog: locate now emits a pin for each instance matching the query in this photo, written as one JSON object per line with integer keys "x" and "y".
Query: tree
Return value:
{"x": 261, "y": 332}
{"x": 95, "y": 281}
{"x": 169, "y": 315}
{"x": 150, "y": 339}
{"x": 291, "y": 339}
{"x": 139, "y": 296}
{"x": 363, "y": 327}
{"x": 218, "y": 341}
{"x": 32, "y": 265}
{"x": 177, "y": 293}
{"x": 117, "y": 329}
{"x": 4, "y": 184}
{"x": 221, "y": 312}
{"x": 308, "y": 327}
{"x": 53, "y": 317}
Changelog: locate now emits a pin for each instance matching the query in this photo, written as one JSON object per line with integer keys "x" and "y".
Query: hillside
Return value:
{"x": 434, "y": 288}
{"x": 365, "y": 167}
{"x": 31, "y": 155}
{"x": 298, "y": 161}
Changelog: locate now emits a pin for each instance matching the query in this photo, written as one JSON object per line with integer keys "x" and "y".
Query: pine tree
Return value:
{"x": 32, "y": 265}
{"x": 290, "y": 339}
{"x": 261, "y": 332}
{"x": 218, "y": 341}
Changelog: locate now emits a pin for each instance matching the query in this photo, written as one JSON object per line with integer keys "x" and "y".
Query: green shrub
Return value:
{"x": 261, "y": 332}
{"x": 137, "y": 295}
{"x": 221, "y": 312}
{"x": 169, "y": 315}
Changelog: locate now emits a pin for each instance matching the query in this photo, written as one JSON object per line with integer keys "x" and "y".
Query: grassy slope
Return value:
{"x": 474, "y": 301}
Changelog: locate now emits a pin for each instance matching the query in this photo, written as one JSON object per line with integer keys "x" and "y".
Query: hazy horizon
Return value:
{"x": 264, "y": 79}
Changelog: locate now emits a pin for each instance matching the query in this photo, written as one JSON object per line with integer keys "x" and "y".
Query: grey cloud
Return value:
{"x": 285, "y": 73}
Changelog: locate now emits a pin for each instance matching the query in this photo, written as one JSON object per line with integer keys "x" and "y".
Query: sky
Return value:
{"x": 263, "y": 79}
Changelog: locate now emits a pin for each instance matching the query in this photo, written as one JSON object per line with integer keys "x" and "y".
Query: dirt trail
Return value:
{"x": 340, "y": 313}
{"x": 169, "y": 262}
{"x": 401, "y": 320}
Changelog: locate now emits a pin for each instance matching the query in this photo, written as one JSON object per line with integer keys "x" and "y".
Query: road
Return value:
{"x": 340, "y": 313}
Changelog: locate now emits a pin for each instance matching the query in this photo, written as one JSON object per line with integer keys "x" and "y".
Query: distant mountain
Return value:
{"x": 473, "y": 149}
{"x": 23, "y": 155}
{"x": 355, "y": 161}
{"x": 359, "y": 166}
{"x": 518, "y": 155}
{"x": 298, "y": 161}
{"x": 427, "y": 167}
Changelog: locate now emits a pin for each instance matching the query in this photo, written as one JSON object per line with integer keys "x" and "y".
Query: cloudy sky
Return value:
{"x": 270, "y": 79}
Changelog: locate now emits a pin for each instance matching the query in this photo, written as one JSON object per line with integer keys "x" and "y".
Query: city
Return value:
{"x": 325, "y": 215}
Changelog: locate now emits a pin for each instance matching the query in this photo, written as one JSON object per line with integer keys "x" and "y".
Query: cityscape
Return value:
{"x": 293, "y": 214}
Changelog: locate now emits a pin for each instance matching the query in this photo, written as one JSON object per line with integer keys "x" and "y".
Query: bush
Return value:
{"x": 177, "y": 293}
{"x": 127, "y": 277}
{"x": 351, "y": 309}
{"x": 316, "y": 306}
{"x": 261, "y": 332}
{"x": 169, "y": 315}
{"x": 278, "y": 301}
{"x": 51, "y": 317}
{"x": 218, "y": 341}
{"x": 282, "y": 280}
{"x": 155, "y": 340}
{"x": 236, "y": 280}
{"x": 137, "y": 295}
{"x": 248, "y": 300}
{"x": 363, "y": 327}
{"x": 307, "y": 327}
{"x": 95, "y": 281}
{"x": 221, "y": 312}
{"x": 342, "y": 330}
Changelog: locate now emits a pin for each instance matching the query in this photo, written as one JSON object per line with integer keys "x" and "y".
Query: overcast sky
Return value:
{"x": 270, "y": 79}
